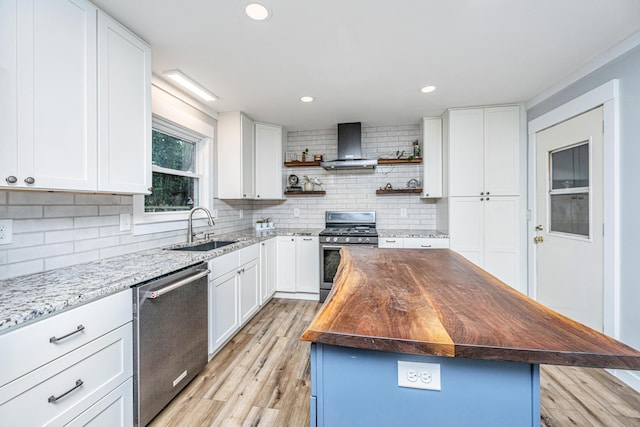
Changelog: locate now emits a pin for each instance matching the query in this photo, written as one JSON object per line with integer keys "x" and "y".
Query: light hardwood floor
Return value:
{"x": 261, "y": 378}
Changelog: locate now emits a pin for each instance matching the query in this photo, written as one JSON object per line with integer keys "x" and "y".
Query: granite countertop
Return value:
{"x": 27, "y": 298}
{"x": 438, "y": 303}
{"x": 413, "y": 233}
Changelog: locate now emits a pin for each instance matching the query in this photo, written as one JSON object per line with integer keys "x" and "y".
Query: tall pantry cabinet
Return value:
{"x": 482, "y": 155}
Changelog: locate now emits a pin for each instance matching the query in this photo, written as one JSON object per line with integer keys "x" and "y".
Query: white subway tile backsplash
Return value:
{"x": 90, "y": 244}
{"x": 38, "y": 252}
{"x": 96, "y": 221}
{"x": 31, "y": 225}
{"x": 69, "y": 260}
{"x": 69, "y": 211}
{"x": 70, "y": 235}
{"x": 20, "y": 268}
{"x": 3, "y": 197}
{"x": 96, "y": 199}
{"x": 39, "y": 198}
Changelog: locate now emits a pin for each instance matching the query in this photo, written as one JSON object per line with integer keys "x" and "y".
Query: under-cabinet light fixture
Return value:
{"x": 189, "y": 84}
{"x": 257, "y": 11}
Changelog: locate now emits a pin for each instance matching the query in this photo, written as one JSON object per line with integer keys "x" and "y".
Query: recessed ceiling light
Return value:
{"x": 257, "y": 11}
{"x": 307, "y": 99}
{"x": 428, "y": 89}
{"x": 190, "y": 84}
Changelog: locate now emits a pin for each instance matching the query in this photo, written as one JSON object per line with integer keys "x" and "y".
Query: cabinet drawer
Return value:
{"x": 32, "y": 345}
{"x": 113, "y": 410}
{"x": 425, "y": 243}
{"x": 223, "y": 264}
{"x": 391, "y": 242}
{"x": 78, "y": 380}
{"x": 249, "y": 253}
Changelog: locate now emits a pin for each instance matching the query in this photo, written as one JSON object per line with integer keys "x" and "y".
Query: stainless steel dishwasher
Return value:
{"x": 170, "y": 338}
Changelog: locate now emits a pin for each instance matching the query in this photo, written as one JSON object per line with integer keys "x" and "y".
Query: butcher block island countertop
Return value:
{"x": 437, "y": 303}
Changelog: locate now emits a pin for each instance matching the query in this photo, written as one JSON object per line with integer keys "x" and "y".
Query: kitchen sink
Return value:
{"x": 203, "y": 247}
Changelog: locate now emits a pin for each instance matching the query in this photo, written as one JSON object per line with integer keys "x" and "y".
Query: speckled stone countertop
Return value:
{"x": 413, "y": 233}
{"x": 27, "y": 298}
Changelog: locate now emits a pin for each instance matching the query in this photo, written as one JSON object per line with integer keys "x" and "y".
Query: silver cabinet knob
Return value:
{"x": 29, "y": 180}
{"x": 11, "y": 179}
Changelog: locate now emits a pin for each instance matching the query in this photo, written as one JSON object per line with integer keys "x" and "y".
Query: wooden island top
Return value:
{"x": 435, "y": 302}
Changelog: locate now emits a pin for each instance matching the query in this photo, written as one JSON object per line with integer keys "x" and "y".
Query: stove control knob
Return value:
{"x": 335, "y": 239}
{"x": 327, "y": 239}
{"x": 366, "y": 240}
{"x": 346, "y": 240}
{"x": 359, "y": 239}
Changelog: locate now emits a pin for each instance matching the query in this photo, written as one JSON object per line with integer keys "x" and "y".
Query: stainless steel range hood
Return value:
{"x": 350, "y": 149}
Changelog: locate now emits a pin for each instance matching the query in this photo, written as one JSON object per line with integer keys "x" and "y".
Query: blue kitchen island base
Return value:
{"x": 354, "y": 387}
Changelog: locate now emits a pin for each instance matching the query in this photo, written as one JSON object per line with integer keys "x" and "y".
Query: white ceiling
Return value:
{"x": 366, "y": 60}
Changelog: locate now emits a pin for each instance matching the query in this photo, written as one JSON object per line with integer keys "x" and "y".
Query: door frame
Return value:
{"x": 606, "y": 95}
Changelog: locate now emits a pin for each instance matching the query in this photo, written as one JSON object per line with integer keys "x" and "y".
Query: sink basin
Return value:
{"x": 203, "y": 247}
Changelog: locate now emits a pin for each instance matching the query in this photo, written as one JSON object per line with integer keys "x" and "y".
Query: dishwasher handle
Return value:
{"x": 158, "y": 293}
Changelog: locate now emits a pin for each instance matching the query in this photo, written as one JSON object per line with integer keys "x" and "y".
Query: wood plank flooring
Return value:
{"x": 261, "y": 379}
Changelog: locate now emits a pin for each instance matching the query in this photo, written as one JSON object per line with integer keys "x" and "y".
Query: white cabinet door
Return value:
{"x": 502, "y": 239}
{"x": 267, "y": 270}
{"x": 50, "y": 138}
{"x": 268, "y": 161}
{"x": 466, "y": 152}
{"x": 249, "y": 281}
{"x": 236, "y": 156}
{"x": 223, "y": 306}
{"x": 124, "y": 97}
{"x": 391, "y": 242}
{"x": 502, "y": 151}
{"x": 432, "y": 157}
{"x": 307, "y": 264}
{"x": 286, "y": 264}
{"x": 466, "y": 228}
{"x": 113, "y": 410}
{"x": 486, "y": 232}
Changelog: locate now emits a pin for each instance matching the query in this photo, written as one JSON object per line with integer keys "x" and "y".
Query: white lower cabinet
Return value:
{"x": 268, "y": 250}
{"x": 486, "y": 232}
{"x": 76, "y": 383}
{"x": 112, "y": 410}
{"x": 233, "y": 293}
{"x": 298, "y": 264}
{"x": 413, "y": 242}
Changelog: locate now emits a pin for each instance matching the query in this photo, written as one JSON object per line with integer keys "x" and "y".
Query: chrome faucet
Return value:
{"x": 190, "y": 232}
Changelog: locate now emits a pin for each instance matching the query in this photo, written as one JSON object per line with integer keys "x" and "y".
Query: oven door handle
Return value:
{"x": 158, "y": 293}
{"x": 332, "y": 247}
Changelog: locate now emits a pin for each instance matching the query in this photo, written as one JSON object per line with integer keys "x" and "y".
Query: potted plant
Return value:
{"x": 309, "y": 183}
{"x": 304, "y": 154}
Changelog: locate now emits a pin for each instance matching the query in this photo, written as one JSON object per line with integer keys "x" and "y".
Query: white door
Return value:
{"x": 569, "y": 194}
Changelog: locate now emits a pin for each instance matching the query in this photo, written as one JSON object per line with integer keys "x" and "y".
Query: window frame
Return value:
{"x": 153, "y": 222}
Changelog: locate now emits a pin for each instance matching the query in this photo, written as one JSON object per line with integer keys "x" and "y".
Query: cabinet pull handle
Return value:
{"x": 425, "y": 246}
{"x": 29, "y": 180}
{"x": 11, "y": 179}
{"x": 54, "y": 399}
{"x": 390, "y": 241}
{"x": 55, "y": 339}
{"x": 308, "y": 239}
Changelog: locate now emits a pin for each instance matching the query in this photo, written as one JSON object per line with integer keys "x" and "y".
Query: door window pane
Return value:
{"x": 570, "y": 167}
{"x": 570, "y": 213}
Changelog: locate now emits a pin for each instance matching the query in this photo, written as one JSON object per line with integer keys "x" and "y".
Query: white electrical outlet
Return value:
{"x": 240, "y": 213}
{"x": 6, "y": 231}
{"x": 403, "y": 212}
{"x": 125, "y": 222}
{"x": 425, "y": 376}
{"x": 296, "y": 212}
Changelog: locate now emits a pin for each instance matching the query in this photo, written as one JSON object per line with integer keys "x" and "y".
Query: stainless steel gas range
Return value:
{"x": 343, "y": 229}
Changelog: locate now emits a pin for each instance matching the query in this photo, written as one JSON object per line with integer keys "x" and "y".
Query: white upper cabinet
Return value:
{"x": 268, "y": 161}
{"x": 48, "y": 92}
{"x": 49, "y": 104}
{"x": 484, "y": 150}
{"x": 249, "y": 158}
{"x": 432, "y": 155}
{"x": 236, "y": 156}
{"x": 124, "y": 99}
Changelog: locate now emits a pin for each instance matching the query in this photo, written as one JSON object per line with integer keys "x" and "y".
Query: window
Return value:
{"x": 175, "y": 183}
{"x": 569, "y": 193}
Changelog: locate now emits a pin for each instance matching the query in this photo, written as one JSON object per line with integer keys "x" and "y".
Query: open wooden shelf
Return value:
{"x": 305, "y": 193}
{"x": 398, "y": 161}
{"x": 301, "y": 164}
{"x": 400, "y": 191}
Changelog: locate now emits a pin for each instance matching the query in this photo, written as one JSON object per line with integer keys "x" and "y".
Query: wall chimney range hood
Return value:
{"x": 350, "y": 149}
